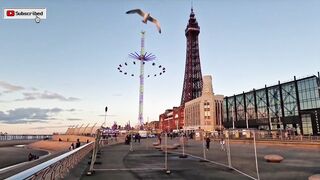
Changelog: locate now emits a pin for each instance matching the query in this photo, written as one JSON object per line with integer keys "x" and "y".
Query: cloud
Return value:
{"x": 50, "y": 127}
{"x": 74, "y": 119}
{"x": 8, "y": 88}
{"x": 28, "y": 115}
{"x": 111, "y": 115}
{"x": 45, "y": 95}
{"x": 71, "y": 110}
{"x": 32, "y": 93}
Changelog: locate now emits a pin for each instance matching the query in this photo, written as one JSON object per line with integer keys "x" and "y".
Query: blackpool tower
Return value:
{"x": 192, "y": 85}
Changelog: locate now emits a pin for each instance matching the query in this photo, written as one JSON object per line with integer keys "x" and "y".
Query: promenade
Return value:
{"x": 146, "y": 162}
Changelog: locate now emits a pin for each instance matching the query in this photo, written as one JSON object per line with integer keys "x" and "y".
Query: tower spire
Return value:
{"x": 191, "y": 6}
{"x": 192, "y": 85}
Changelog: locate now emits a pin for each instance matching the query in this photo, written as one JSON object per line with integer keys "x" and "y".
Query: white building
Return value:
{"x": 204, "y": 112}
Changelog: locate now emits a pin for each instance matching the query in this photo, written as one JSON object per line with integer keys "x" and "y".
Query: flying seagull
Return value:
{"x": 146, "y": 17}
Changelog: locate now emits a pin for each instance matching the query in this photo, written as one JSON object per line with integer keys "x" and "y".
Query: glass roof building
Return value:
{"x": 290, "y": 105}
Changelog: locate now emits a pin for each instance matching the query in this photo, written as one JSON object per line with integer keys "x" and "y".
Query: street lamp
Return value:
{"x": 247, "y": 123}
{"x": 233, "y": 116}
{"x": 105, "y": 117}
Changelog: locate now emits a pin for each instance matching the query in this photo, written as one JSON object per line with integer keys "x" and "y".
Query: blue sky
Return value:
{"x": 63, "y": 71}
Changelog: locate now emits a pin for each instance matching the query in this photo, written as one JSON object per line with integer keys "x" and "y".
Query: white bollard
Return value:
{"x": 166, "y": 153}
{"x": 255, "y": 154}
{"x": 204, "y": 146}
{"x": 131, "y": 148}
{"x": 228, "y": 150}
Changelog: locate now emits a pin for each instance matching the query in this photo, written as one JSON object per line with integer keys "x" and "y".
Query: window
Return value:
{"x": 309, "y": 93}
{"x": 306, "y": 124}
{"x": 262, "y": 104}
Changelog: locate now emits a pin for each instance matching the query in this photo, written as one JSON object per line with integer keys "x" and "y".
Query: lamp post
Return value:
{"x": 105, "y": 116}
{"x": 220, "y": 118}
{"x": 247, "y": 123}
{"x": 233, "y": 114}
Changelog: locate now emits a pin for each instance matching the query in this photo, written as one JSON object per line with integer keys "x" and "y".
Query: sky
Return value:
{"x": 63, "y": 70}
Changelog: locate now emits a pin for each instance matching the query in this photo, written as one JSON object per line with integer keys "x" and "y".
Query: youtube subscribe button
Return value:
{"x": 24, "y": 13}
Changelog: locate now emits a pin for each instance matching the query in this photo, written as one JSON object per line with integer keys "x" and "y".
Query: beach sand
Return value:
{"x": 51, "y": 146}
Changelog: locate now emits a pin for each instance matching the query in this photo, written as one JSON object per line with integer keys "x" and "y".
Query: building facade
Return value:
{"x": 172, "y": 119}
{"x": 202, "y": 112}
{"x": 218, "y": 102}
{"x": 291, "y": 105}
{"x": 151, "y": 126}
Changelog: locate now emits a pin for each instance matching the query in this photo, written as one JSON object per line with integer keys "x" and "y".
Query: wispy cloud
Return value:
{"x": 28, "y": 115}
{"x": 74, "y": 119}
{"x": 32, "y": 93}
{"x": 45, "y": 95}
{"x": 49, "y": 127}
{"x": 108, "y": 115}
{"x": 8, "y": 88}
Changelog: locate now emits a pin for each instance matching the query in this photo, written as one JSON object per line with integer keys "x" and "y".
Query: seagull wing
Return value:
{"x": 156, "y": 22}
{"x": 138, "y": 11}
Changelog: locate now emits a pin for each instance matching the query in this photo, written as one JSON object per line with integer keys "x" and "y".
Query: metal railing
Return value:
{"x": 57, "y": 167}
{"x": 11, "y": 137}
{"x": 281, "y": 135}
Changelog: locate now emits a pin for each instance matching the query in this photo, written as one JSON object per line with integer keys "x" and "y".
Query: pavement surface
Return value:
{"x": 14, "y": 155}
{"x": 15, "y": 159}
{"x": 145, "y": 162}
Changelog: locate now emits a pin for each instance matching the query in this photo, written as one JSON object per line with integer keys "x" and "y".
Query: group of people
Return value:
{"x": 136, "y": 137}
{"x": 78, "y": 144}
{"x": 32, "y": 157}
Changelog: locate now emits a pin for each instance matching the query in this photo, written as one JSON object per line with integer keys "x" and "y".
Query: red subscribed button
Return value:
{"x": 10, "y": 13}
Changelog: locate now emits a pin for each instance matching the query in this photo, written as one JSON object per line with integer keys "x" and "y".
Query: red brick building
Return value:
{"x": 172, "y": 119}
{"x": 152, "y": 126}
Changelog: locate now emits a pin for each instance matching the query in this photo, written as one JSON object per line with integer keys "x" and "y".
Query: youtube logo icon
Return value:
{"x": 10, "y": 13}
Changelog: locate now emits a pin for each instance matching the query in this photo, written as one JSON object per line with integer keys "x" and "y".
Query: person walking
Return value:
{"x": 222, "y": 142}
{"x": 139, "y": 137}
{"x": 208, "y": 142}
{"x": 159, "y": 138}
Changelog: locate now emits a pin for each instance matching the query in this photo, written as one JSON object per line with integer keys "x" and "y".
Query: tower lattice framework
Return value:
{"x": 192, "y": 85}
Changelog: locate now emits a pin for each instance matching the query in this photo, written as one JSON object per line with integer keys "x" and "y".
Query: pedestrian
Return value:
{"x": 222, "y": 144}
{"x": 30, "y": 157}
{"x": 159, "y": 138}
{"x": 208, "y": 143}
{"x": 71, "y": 147}
{"x": 127, "y": 139}
{"x": 139, "y": 137}
{"x": 135, "y": 137}
{"x": 78, "y": 143}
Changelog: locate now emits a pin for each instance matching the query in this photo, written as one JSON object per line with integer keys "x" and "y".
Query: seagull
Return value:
{"x": 146, "y": 17}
